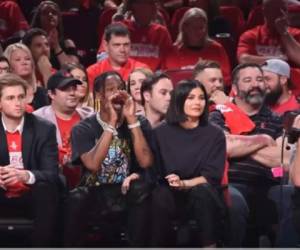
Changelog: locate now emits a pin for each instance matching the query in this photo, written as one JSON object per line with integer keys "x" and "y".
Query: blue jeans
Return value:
{"x": 287, "y": 235}
{"x": 273, "y": 201}
{"x": 238, "y": 215}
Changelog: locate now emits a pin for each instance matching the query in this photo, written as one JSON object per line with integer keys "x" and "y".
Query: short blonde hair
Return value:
{"x": 20, "y": 46}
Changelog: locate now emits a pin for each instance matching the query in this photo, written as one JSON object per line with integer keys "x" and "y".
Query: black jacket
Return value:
{"x": 39, "y": 148}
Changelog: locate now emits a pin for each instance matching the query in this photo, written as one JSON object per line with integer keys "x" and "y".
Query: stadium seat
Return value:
{"x": 104, "y": 20}
{"x": 255, "y": 17}
{"x": 177, "y": 75}
{"x": 235, "y": 17}
{"x": 175, "y": 20}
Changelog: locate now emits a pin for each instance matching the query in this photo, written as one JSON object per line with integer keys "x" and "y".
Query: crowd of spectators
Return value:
{"x": 180, "y": 116}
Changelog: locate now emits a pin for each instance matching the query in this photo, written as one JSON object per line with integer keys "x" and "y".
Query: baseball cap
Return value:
{"x": 277, "y": 66}
{"x": 61, "y": 79}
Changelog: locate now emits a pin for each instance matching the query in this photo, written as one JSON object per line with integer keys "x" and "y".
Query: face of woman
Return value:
{"x": 49, "y": 17}
{"x": 82, "y": 88}
{"x": 195, "y": 31}
{"x": 136, "y": 79}
{"x": 194, "y": 104}
{"x": 20, "y": 62}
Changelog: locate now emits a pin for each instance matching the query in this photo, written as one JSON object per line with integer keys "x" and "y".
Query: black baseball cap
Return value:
{"x": 61, "y": 79}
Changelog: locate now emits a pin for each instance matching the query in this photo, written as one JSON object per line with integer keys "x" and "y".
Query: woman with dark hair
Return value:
{"x": 48, "y": 17}
{"x": 190, "y": 160}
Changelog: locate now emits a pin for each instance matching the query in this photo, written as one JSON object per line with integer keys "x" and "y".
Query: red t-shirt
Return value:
{"x": 14, "y": 143}
{"x": 184, "y": 58}
{"x": 65, "y": 127}
{"x": 104, "y": 66}
{"x": 65, "y": 150}
{"x": 148, "y": 44}
{"x": 12, "y": 19}
{"x": 290, "y": 105}
{"x": 259, "y": 41}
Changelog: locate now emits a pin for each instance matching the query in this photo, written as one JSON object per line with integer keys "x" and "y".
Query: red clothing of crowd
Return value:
{"x": 148, "y": 44}
{"x": 290, "y": 105}
{"x": 185, "y": 58}
{"x": 12, "y": 19}
{"x": 261, "y": 42}
{"x": 14, "y": 143}
{"x": 105, "y": 65}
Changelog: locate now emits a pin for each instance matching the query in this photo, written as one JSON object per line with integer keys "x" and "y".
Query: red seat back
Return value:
{"x": 104, "y": 20}
{"x": 177, "y": 75}
{"x": 175, "y": 20}
{"x": 256, "y": 17}
{"x": 295, "y": 78}
{"x": 234, "y": 16}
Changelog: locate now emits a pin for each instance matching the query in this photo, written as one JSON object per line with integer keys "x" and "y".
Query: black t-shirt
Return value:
{"x": 120, "y": 160}
{"x": 245, "y": 169}
{"x": 190, "y": 153}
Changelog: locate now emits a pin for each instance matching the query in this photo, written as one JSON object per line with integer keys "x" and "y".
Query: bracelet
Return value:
{"x": 58, "y": 53}
{"x": 109, "y": 130}
{"x": 134, "y": 125}
{"x": 112, "y": 130}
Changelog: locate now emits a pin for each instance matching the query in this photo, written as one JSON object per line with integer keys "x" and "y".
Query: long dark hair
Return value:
{"x": 36, "y": 19}
{"x": 175, "y": 113}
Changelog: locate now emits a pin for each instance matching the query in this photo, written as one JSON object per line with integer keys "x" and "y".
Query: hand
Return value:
{"x": 282, "y": 23}
{"x": 44, "y": 66}
{"x": 174, "y": 181}
{"x": 129, "y": 108}
{"x": 265, "y": 139}
{"x": 219, "y": 97}
{"x": 69, "y": 43}
{"x": 126, "y": 183}
{"x": 11, "y": 175}
{"x": 118, "y": 17}
{"x": 54, "y": 40}
{"x": 112, "y": 114}
{"x": 296, "y": 123}
{"x": 2, "y": 185}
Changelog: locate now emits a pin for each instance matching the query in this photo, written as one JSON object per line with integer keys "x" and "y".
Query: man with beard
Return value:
{"x": 279, "y": 96}
{"x": 254, "y": 157}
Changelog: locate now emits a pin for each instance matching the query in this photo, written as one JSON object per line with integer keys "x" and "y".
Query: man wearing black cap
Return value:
{"x": 63, "y": 113}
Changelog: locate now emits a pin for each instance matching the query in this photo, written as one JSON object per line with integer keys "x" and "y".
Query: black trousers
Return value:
{"x": 201, "y": 203}
{"x": 39, "y": 204}
{"x": 83, "y": 200}
{"x": 296, "y": 209}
